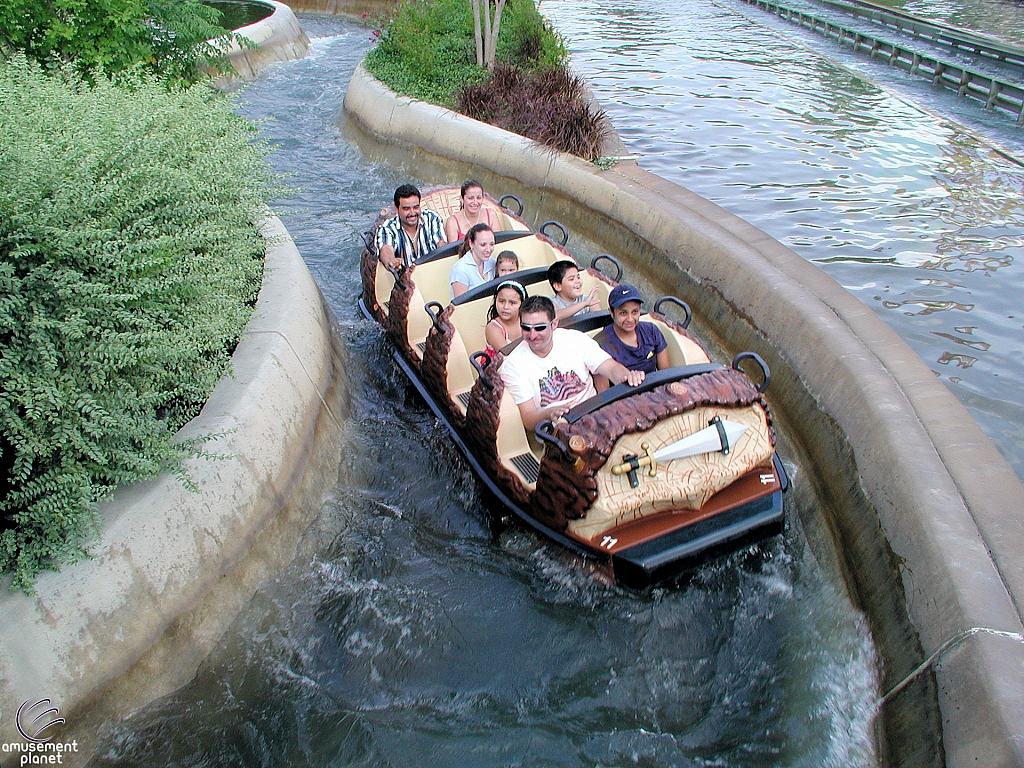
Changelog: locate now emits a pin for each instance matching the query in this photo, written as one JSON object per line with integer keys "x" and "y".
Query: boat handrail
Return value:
{"x": 562, "y": 229}
{"x": 615, "y": 263}
{"x": 451, "y": 249}
{"x": 687, "y": 313}
{"x": 486, "y": 290}
{"x": 503, "y": 198}
{"x": 587, "y": 321}
{"x": 766, "y": 375}
{"x": 653, "y": 380}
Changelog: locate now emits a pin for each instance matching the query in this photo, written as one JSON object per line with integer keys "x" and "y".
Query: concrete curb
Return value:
{"x": 165, "y": 550}
{"x": 354, "y": 9}
{"x": 279, "y": 37}
{"x": 949, "y": 507}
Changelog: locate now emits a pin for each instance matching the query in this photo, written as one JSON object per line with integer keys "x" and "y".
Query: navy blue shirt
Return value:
{"x": 642, "y": 357}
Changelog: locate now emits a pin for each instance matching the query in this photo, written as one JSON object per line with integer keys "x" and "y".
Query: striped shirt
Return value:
{"x": 428, "y": 234}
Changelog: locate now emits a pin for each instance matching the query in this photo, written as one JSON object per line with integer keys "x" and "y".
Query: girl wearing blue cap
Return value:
{"x": 635, "y": 343}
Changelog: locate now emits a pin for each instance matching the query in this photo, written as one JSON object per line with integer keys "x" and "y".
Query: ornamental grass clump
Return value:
{"x": 549, "y": 106}
{"x": 129, "y": 266}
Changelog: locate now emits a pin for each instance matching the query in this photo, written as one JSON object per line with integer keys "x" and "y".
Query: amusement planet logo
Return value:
{"x": 33, "y": 720}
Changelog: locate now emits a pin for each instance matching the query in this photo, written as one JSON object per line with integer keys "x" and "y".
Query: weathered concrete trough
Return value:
{"x": 925, "y": 513}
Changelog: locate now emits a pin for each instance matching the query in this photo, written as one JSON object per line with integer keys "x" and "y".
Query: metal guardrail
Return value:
{"x": 954, "y": 38}
{"x": 994, "y": 92}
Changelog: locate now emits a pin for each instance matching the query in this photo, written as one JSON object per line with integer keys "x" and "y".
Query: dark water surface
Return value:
{"x": 843, "y": 159}
{"x": 406, "y": 633}
{"x": 239, "y": 13}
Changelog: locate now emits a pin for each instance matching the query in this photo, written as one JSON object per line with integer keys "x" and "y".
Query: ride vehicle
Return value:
{"x": 644, "y": 481}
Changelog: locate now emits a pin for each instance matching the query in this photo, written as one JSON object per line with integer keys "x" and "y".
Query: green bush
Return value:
{"x": 526, "y": 41}
{"x": 427, "y": 49}
{"x": 168, "y": 37}
{"x": 128, "y": 268}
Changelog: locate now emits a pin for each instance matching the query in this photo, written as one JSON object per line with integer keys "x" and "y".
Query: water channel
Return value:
{"x": 843, "y": 159}
{"x": 408, "y": 632}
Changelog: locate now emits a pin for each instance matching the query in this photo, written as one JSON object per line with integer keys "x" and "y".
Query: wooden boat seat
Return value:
{"x": 471, "y": 316}
{"x": 431, "y": 281}
{"x": 461, "y": 373}
{"x": 682, "y": 350}
{"x": 383, "y": 284}
{"x": 449, "y": 200}
{"x": 532, "y": 251}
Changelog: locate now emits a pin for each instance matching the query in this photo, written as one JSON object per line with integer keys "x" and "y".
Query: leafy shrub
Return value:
{"x": 426, "y": 51}
{"x": 168, "y": 37}
{"x": 527, "y": 41}
{"x": 426, "y": 47}
{"x": 550, "y": 106}
{"x": 128, "y": 268}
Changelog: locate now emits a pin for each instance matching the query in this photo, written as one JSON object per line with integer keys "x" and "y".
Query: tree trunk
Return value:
{"x": 492, "y": 43}
{"x": 476, "y": 31}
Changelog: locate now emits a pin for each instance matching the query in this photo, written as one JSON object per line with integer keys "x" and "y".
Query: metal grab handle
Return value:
{"x": 612, "y": 259}
{"x": 518, "y": 202}
{"x": 687, "y": 314}
{"x": 434, "y": 318}
{"x": 545, "y": 432}
{"x": 480, "y": 366}
{"x": 765, "y": 373}
{"x": 553, "y": 223}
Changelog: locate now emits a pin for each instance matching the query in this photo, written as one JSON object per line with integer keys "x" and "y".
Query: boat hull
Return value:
{"x": 646, "y": 552}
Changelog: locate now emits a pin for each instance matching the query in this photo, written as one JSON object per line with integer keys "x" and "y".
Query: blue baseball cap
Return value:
{"x": 620, "y": 294}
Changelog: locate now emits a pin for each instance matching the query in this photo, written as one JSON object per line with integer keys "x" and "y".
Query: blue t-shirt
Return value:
{"x": 642, "y": 357}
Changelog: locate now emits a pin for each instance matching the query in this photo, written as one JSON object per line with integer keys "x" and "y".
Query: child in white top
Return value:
{"x": 503, "y": 317}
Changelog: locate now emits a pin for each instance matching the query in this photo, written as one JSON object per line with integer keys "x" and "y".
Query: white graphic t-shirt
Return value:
{"x": 561, "y": 377}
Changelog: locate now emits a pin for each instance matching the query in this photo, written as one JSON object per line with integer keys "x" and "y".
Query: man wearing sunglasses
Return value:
{"x": 551, "y": 372}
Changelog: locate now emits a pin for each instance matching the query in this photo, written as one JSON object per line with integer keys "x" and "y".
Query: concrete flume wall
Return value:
{"x": 279, "y": 37}
{"x": 946, "y": 510}
{"x": 173, "y": 567}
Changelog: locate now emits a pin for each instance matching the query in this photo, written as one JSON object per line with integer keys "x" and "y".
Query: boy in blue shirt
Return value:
{"x": 635, "y": 343}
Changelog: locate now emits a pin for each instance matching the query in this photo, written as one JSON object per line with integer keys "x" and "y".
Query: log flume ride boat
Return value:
{"x": 644, "y": 481}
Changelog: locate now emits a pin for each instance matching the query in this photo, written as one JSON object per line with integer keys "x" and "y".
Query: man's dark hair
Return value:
{"x": 538, "y": 304}
{"x": 406, "y": 190}
{"x": 556, "y": 272}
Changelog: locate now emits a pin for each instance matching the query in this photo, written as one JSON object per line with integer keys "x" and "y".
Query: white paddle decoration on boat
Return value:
{"x": 719, "y": 437}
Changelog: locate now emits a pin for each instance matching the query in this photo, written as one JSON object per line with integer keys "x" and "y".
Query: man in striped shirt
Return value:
{"x": 411, "y": 234}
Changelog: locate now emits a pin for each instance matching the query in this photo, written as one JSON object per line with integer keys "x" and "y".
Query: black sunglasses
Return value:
{"x": 534, "y": 328}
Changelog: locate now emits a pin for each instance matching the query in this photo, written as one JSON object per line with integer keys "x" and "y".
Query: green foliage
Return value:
{"x": 128, "y": 268}
{"x": 527, "y": 41}
{"x": 427, "y": 50}
{"x": 168, "y": 37}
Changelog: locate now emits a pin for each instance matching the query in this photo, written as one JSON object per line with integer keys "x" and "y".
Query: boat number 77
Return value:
{"x": 767, "y": 479}
{"x": 608, "y": 542}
